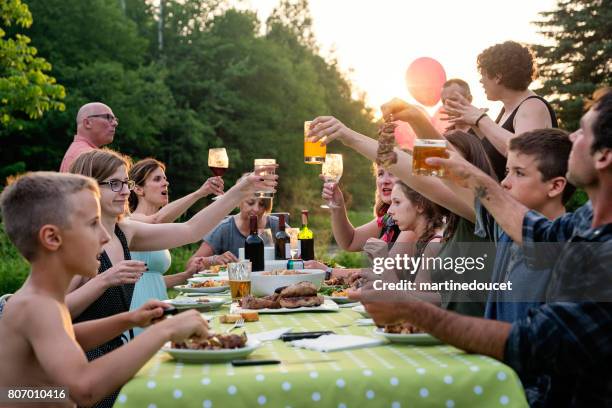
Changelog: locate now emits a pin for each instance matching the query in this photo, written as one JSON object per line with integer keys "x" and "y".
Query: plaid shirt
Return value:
{"x": 563, "y": 350}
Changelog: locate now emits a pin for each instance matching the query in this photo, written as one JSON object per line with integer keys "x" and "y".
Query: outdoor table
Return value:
{"x": 391, "y": 375}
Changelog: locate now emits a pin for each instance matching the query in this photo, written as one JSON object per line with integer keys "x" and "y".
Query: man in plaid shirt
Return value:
{"x": 563, "y": 349}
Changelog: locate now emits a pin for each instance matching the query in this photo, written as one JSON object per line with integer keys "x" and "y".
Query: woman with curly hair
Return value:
{"x": 506, "y": 69}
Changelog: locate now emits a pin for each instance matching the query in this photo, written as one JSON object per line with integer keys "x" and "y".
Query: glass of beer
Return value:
{"x": 424, "y": 148}
{"x": 262, "y": 170}
{"x": 239, "y": 275}
{"x": 332, "y": 172}
{"x": 314, "y": 152}
{"x": 218, "y": 162}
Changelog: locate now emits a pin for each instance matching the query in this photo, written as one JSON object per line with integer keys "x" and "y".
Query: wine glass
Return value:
{"x": 332, "y": 172}
{"x": 262, "y": 168}
{"x": 218, "y": 162}
{"x": 293, "y": 240}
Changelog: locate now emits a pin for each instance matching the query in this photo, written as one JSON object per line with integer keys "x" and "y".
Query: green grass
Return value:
{"x": 13, "y": 267}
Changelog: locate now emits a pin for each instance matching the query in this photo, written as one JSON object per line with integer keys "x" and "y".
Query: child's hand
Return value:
{"x": 148, "y": 313}
{"x": 183, "y": 326}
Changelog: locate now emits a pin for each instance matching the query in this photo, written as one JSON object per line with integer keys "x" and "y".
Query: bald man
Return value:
{"x": 96, "y": 126}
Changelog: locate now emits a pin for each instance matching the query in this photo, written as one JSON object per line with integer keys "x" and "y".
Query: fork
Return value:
{"x": 239, "y": 323}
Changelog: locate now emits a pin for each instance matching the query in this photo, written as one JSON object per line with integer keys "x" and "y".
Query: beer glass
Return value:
{"x": 239, "y": 275}
{"x": 314, "y": 152}
{"x": 261, "y": 170}
{"x": 332, "y": 172}
{"x": 424, "y": 148}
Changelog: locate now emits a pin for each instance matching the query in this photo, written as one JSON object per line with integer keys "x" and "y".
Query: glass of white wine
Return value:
{"x": 218, "y": 162}
{"x": 332, "y": 172}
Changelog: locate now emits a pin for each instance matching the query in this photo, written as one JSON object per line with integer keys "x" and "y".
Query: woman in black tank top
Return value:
{"x": 507, "y": 69}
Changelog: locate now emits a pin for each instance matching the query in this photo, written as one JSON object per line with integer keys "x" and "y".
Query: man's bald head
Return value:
{"x": 94, "y": 125}
{"x": 92, "y": 108}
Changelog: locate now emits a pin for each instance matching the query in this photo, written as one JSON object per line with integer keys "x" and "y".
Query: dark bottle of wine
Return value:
{"x": 306, "y": 239}
{"x": 254, "y": 247}
{"x": 282, "y": 243}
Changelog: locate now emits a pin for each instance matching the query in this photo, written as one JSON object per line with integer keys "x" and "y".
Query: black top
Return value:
{"x": 114, "y": 300}
{"x": 498, "y": 160}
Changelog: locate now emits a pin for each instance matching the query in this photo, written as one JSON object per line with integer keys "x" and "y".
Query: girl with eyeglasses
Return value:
{"x": 111, "y": 291}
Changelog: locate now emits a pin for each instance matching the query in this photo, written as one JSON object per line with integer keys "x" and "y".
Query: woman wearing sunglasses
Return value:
{"x": 111, "y": 291}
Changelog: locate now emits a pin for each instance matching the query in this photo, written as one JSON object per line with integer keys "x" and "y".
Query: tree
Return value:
{"x": 25, "y": 88}
{"x": 580, "y": 59}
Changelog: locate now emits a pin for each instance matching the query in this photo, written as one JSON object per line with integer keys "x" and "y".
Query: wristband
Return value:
{"x": 479, "y": 118}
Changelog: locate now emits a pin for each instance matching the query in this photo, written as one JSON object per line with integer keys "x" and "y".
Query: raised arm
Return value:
{"x": 348, "y": 237}
{"x": 532, "y": 114}
{"x": 176, "y": 208}
{"x": 398, "y": 109}
{"x": 508, "y": 212}
{"x": 153, "y": 237}
{"x": 432, "y": 188}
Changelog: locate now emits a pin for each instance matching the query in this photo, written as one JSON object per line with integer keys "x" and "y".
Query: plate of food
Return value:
{"x": 266, "y": 283}
{"x": 406, "y": 333}
{"x": 214, "y": 270}
{"x": 192, "y": 302}
{"x": 361, "y": 310}
{"x": 299, "y": 297}
{"x": 216, "y": 348}
{"x": 203, "y": 285}
{"x": 340, "y": 296}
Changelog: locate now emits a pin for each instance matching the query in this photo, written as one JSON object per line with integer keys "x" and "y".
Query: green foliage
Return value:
{"x": 579, "y": 61}
{"x": 25, "y": 86}
{"x": 13, "y": 269}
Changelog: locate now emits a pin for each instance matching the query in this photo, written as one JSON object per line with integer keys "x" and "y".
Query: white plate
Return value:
{"x": 205, "y": 274}
{"x": 189, "y": 289}
{"x": 327, "y": 306}
{"x": 199, "y": 279}
{"x": 341, "y": 300}
{"x": 420, "y": 339}
{"x": 361, "y": 310}
{"x": 183, "y": 303}
{"x": 212, "y": 356}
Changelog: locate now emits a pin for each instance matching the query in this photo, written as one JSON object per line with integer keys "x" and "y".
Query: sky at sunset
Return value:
{"x": 375, "y": 41}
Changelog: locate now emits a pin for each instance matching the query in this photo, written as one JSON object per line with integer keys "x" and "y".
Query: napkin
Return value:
{"x": 336, "y": 342}
{"x": 270, "y": 335}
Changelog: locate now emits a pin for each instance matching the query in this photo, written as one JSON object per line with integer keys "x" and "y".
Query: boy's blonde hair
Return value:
{"x": 36, "y": 199}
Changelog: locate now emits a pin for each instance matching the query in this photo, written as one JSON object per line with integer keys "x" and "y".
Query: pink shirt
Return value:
{"x": 79, "y": 145}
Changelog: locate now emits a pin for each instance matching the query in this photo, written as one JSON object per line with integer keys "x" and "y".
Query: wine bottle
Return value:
{"x": 254, "y": 247}
{"x": 306, "y": 240}
{"x": 282, "y": 243}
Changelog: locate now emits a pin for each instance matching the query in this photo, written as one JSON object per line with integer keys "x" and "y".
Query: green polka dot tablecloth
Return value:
{"x": 391, "y": 375}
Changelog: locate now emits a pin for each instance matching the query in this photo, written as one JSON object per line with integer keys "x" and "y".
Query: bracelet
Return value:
{"x": 479, "y": 118}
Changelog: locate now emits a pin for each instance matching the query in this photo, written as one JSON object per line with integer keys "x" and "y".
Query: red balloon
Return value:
{"x": 424, "y": 78}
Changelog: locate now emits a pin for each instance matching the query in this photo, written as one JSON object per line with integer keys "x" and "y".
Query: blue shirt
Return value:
{"x": 529, "y": 283}
{"x": 562, "y": 351}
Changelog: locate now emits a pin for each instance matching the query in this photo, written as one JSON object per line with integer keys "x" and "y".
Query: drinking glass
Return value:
{"x": 262, "y": 170}
{"x": 239, "y": 275}
{"x": 218, "y": 162}
{"x": 332, "y": 172}
{"x": 293, "y": 240}
{"x": 314, "y": 152}
{"x": 424, "y": 148}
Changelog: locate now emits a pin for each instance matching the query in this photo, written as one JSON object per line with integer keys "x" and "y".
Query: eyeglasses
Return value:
{"x": 109, "y": 117}
{"x": 117, "y": 185}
